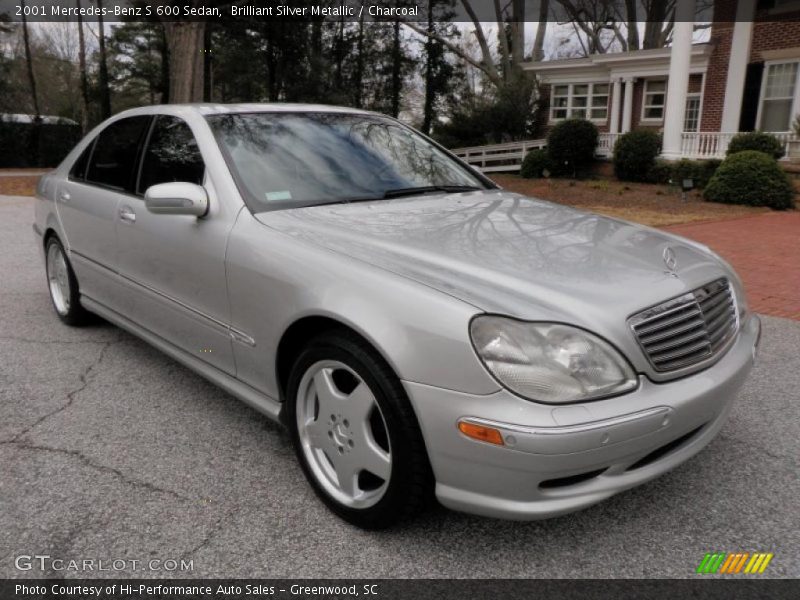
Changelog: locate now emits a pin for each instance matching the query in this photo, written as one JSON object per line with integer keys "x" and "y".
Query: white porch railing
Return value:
{"x": 714, "y": 145}
{"x": 509, "y": 156}
{"x": 498, "y": 157}
{"x": 606, "y": 143}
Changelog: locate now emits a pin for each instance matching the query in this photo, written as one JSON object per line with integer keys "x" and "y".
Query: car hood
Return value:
{"x": 507, "y": 253}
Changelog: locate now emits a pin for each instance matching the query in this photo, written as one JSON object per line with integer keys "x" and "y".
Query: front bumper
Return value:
{"x": 560, "y": 459}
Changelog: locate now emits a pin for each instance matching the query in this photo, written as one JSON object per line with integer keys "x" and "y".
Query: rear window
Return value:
{"x": 113, "y": 161}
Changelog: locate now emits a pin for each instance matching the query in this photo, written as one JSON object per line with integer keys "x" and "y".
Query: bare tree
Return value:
{"x": 105, "y": 91}
{"x": 82, "y": 67}
{"x": 29, "y": 65}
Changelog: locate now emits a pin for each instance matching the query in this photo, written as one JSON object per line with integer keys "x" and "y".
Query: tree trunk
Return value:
{"x": 105, "y": 92}
{"x": 185, "y": 45}
{"x": 397, "y": 66}
{"x": 359, "y": 72}
{"x": 82, "y": 68}
{"x": 207, "y": 82}
{"x": 541, "y": 30}
{"x": 427, "y": 115}
{"x": 517, "y": 33}
{"x": 633, "y": 29}
{"x": 164, "y": 79}
{"x": 29, "y": 65}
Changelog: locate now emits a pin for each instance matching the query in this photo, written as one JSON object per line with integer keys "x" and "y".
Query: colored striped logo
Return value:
{"x": 738, "y": 562}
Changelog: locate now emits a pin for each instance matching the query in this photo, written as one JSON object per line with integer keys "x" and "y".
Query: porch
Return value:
{"x": 508, "y": 157}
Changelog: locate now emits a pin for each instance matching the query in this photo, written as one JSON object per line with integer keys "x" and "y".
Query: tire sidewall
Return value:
{"x": 388, "y": 394}
{"x": 75, "y": 314}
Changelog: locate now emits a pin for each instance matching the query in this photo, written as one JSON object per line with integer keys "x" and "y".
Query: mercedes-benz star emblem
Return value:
{"x": 669, "y": 259}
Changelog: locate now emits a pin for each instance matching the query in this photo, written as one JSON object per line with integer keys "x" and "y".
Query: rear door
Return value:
{"x": 173, "y": 266}
{"x": 88, "y": 204}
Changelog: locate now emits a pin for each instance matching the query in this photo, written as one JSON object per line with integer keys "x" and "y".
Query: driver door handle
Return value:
{"x": 126, "y": 214}
{"x": 64, "y": 196}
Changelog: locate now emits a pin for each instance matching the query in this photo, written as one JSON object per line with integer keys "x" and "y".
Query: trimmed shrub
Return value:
{"x": 700, "y": 172}
{"x": 635, "y": 155}
{"x": 571, "y": 145}
{"x": 30, "y": 145}
{"x": 756, "y": 140}
{"x": 535, "y": 163}
{"x": 660, "y": 172}
{"x": 751, "y": 177}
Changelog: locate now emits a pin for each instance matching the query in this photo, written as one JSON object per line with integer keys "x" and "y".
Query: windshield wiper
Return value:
{"x": 425, "y": 189}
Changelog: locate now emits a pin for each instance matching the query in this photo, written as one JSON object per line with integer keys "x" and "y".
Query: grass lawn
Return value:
{"x": 654, "y": 205}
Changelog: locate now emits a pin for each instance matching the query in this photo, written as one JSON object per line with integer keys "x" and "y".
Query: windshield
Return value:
{"x": 286, "y": 160}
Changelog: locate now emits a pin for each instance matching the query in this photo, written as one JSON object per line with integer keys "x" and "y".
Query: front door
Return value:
{"x": 174, "y": 265}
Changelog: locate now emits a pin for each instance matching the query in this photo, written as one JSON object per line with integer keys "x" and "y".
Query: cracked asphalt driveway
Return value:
{"x": 111, "y": 450}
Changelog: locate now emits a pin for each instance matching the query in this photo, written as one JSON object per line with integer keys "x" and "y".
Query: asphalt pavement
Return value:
{"x": 111, "y": 450}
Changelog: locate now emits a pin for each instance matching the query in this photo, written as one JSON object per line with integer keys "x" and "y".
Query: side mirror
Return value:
{"x": 178, "y": 198}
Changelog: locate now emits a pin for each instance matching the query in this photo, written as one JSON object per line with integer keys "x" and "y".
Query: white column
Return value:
{"x": 616, "y": 92}
{"x": 737, "y": 66}
{"x": 678, "y": 82}
{"x": 627, "y": 105}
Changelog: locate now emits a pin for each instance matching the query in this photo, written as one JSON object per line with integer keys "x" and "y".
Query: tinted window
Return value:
{"x": 78, "y": 170}
{"x": 114, "y": 158}
{"x": 171, "y": 155}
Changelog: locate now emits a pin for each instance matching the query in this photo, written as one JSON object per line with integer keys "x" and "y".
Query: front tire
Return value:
{"x": 355, "y": 434}
{"x": 63, "y": 285}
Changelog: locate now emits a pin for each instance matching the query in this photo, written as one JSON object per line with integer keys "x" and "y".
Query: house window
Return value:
{"x": 777, "y": 97}
{"x": 655, "y": 94}
{"x": 691, "y": 120}
{"x": 579, "y": 101}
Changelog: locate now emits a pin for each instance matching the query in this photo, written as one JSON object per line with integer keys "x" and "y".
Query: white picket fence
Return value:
{"x": 508, "y": 157}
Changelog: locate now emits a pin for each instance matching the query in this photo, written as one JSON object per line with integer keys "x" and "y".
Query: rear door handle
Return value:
{"x": 64, "y": 196}
{"x": 126, "y": 214}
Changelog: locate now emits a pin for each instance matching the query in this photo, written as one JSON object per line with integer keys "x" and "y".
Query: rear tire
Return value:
{"x": 63, "y": 285}
{"x": 355, "y": 433}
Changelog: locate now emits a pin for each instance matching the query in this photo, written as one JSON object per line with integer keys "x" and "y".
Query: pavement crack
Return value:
{"x": 98, "y": 467}
{"x": 84, "y": 378}
{"x": 209, "y": 537}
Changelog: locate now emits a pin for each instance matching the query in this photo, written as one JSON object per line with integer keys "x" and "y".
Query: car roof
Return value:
{"x": 209, "y": 108}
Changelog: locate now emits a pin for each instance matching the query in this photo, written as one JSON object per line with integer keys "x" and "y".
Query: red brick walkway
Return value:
{"x": 765, "y": 251}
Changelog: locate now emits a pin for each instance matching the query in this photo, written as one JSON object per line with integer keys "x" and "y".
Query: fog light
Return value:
{"x": 481, "y": 433}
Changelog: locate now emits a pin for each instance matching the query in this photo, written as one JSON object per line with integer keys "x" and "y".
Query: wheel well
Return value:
{"x": 50, "y": 232}
{"x": 296, "y": 337}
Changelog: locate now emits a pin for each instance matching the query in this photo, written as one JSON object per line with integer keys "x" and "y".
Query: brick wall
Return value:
{"x": 771, "y": 31}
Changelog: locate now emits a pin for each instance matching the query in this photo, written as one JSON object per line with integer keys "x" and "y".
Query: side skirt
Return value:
{"x": 266, "y": 405}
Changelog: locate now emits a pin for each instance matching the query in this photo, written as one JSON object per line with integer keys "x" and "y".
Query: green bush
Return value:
{"x": 756, "y": 140}
{"x": 635, "y": 155}
{"x": 30, "y": 145}
{"x": 571, "y": 145}
{"x": 660, "y": 172}
{"x": 751, "y": 177}
{"x": 535, "y": 163}
{"x": 699, "y": 171}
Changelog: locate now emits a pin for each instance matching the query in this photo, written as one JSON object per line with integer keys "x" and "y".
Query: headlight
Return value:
{"x": 550, "y": 362}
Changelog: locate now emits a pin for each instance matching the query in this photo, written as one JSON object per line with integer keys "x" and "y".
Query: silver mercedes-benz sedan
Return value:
{"x": 417, "y": 329}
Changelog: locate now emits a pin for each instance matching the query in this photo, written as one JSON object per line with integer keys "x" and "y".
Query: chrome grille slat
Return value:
{"x": 646, "y": 340}
{"x": 689, "y": 330}
{"x": 677, "y": 319}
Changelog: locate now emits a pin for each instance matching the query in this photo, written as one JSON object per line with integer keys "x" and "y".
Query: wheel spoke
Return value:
{"x": 347, "y": 475}
{"x": 328, "y": 396}
{"x": 316, "y": 433}
{"x": 360, "y": 403}
{"x": 375, "y": 459}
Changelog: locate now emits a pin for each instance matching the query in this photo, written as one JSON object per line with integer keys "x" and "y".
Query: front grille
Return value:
{"x": 688, "y": 330}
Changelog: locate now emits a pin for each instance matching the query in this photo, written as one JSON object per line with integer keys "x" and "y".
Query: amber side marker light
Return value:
{"x": 481, "y": 433}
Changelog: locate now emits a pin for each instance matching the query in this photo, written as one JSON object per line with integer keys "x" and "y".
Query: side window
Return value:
{"x": 78, "y": 170}
{"x": 114, "y": 158}
{"x": 172, "y": 154}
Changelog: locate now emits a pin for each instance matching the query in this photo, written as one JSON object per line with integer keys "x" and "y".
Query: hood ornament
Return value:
{"x": 671, "y": 261}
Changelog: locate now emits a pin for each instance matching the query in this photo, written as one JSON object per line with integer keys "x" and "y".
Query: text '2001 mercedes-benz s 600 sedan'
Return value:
{"x": 417, "y": 329}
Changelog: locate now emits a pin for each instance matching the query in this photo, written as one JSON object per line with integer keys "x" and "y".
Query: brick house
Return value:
{"x": 745, "y": 78}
